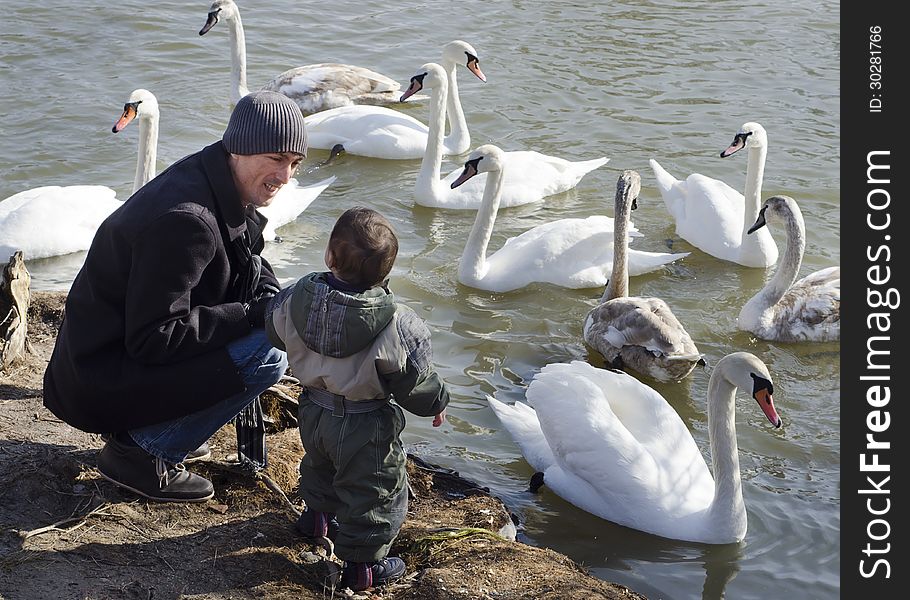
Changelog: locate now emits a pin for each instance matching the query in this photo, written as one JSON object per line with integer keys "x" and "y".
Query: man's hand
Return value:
{"x": 439, "y": 419}
{"x": 266, "y": 289}
{"x": 255, "y": 310}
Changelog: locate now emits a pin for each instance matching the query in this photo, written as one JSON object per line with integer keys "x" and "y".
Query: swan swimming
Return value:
{"x": 313, "y": 87}
{"x": 290, "y": 201}
{"x": 615, "y": 448}
{"x": 529, "y": 176}
{"x": 788, "y": 310}
{"x": 572, "y": 253}
{"x": 714, "y": 217}
{"x": 142, "y": 104}
{"x": 380, "y": 132}
{"x": 641, "y": 333}
{"x": 56, "y": 220}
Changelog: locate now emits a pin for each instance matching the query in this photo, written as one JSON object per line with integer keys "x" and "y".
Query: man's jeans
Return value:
{"x": 260, "y": 365}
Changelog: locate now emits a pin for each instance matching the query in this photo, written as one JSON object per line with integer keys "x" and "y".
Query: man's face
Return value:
{"x": 258, "y": 177}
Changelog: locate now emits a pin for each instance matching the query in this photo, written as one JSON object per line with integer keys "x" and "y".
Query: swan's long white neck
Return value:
{"x": 238, "y": 59}
{"x": 618, "y": 287}
{"x": 459, "y": 137}
{"x": 429, "y": 183}
{"x": 755, "y": 172}
{"x": 787, "y": 269}
{"x": 473, "y": 265}
{"x": 728, "y": 509}
{"x": 148, "y": 150}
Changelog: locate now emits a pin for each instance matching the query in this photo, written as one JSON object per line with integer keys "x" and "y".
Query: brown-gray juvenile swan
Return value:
{"x": 637, "y": 332}
{"x": 313, "y": 87}
{"x": 788, "y": 310}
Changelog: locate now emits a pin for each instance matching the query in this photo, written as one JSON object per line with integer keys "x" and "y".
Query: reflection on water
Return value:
{"x": 630, "y": 80}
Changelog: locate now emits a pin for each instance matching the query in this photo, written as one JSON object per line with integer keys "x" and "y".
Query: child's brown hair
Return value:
{"x": 362, "y": 248}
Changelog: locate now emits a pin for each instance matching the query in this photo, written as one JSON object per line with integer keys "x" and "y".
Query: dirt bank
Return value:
{"x": 66, "y": 533}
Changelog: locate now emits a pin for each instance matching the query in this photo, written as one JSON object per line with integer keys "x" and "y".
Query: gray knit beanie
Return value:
{"x": 265, "y": 122}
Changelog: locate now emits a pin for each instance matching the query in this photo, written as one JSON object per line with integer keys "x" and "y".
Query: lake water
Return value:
{"x": 629, "y": 80}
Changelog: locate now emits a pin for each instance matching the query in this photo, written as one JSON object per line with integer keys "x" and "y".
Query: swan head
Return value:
{"x": 483, "y": 159}
{"x": 142, "y": 103}
{"x": 628, "y": 186}
{"x": 220, "y": 9}
{"x": 750, "y": 135}
{"x": 461, "y": 52}
{"x": 748, "y": 373}
{"x": 777, "y": 207}
{"x": 429, "y": 75}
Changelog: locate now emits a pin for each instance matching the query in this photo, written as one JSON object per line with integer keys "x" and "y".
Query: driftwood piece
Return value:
{"x": 14, "y": 301}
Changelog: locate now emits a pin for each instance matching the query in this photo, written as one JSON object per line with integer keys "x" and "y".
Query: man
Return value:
{"x": 163, "y": 341}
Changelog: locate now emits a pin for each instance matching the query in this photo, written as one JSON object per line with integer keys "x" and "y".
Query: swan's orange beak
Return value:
{"x": 130, "y": 110}
{"x": 766, "y": 401}
{"x": 474, "y": 67}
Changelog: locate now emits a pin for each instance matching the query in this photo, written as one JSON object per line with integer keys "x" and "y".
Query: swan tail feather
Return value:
{"x": 670, "y": 188}
{"x": 584, "y": 167}
{"x": 665, "y": 181}
{"x": 520, "y": 420}
{"x": 641, "y": 262}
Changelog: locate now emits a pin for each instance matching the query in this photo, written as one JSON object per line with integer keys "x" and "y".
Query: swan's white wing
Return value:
{"x": 373, "y": 131}
{"x": 713, "y": 217}
{"x": 642, "y": 261}
{"x": 521, "y": 422}
{"x": 546, "y": 175}
{"x": 625, "y": 440}
{"x": 290, "y": 201}
{"x": 54, "y": 220}
{"x": 710, "y": 215}
{"x": 527, "y": 177}
{"x": 707, "y": 211}
{"x": 573, "y": 253}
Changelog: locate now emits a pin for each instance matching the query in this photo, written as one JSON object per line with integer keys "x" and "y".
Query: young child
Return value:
{"x": 354, "y": 349}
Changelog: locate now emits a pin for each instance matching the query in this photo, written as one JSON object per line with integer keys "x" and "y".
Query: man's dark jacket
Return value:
{"x": 159, "y": 297}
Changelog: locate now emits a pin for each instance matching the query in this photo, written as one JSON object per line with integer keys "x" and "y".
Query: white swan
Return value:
{"x": 380, "y": 132}
{"x": 56, "y": 220}
{"x": 143, "y": 105}
{"x": 573, "y": 253}
{"x": 714, "y": 217}
{"x": 641, "y": 333}
{"x": 291, "y": 200}
{"x": 53, "y": 220}
{"x": 313, "y": 87}
{"x": 807, "y": 310}
{"x": 614, "y": 447}
{"x": 529, "y": 176}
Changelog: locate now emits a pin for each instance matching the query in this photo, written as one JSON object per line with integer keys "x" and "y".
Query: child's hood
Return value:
{"x": 335, "y": 323}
